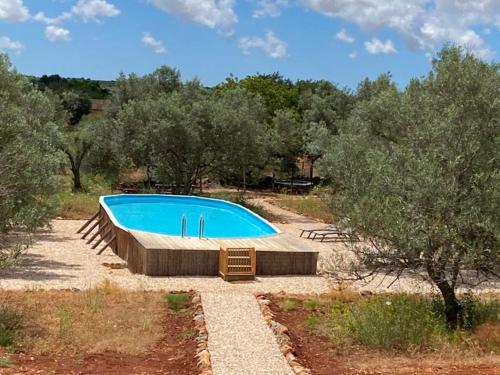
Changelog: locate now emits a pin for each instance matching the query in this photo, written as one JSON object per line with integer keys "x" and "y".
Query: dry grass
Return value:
{"x": 309, "y": 205}
{"x": 96, "y": 320}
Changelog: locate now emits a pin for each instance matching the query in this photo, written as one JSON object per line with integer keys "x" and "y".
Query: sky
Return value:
{"x": 342, "y": 41}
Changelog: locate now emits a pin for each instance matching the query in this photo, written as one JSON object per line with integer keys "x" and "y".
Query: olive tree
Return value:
{"x": 28, "y": 154}
{"x": 418, "y": 174}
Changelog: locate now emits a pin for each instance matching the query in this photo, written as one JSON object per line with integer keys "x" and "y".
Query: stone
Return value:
{"x": 285, "y": 349}
{"x": 203, "y": 358}
{"x": 199, "y": 317}
{"x": 290, "y": 357}
{"x": 264, "y": 302}
{"x": 196, "y": 299}
{"x": 279, "y": 328}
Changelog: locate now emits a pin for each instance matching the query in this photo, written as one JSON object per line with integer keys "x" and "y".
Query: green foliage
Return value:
{"x": 4, "y": 362}
{"x": 177, "y": 301}
{"x": 312, "y": 304}
{"x": 28, "y": 156}
{"x": 84, "y": 88}
{"x": 10, "y": 323}
{"x": 399, "y": 322}
{"x": 474, "y": 311}
{"x": 418, "y": 173}
{"x": 277, "y": 92}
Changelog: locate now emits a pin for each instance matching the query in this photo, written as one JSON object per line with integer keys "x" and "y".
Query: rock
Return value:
{"x": 199, "y": 317}
{"x": 366, "y": 293}
{"x": 203, "y": 358}
{"x": 279, "y": 328}
{"x": 196, "y": 299}
{"x": 285, "y": 349}
{"x": 290, "y": 357}
{"x": 264, "y": 302}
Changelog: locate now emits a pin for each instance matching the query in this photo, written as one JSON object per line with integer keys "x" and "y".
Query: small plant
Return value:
{"x": 10, "y": 323}
{"x": 289, "y": 304}
{"x": 65, "y": 323}
{"x": 312, "y": 304}
{"x": 177, "y": 301}
{"x": 312, "y": 321}
{"x": 4, "y": 362}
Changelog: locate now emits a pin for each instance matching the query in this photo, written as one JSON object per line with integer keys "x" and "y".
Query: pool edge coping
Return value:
{"x": 115, "y": 221}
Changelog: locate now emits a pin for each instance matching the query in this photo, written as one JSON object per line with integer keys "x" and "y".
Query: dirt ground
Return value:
{"x": 169, "y": 351}
{"x": 318, "y": 354}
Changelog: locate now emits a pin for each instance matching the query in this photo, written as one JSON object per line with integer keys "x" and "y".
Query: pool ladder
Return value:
{"x": 201, "y": 227}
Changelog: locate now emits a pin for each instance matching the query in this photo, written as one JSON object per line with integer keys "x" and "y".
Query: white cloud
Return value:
{"x": 13, "y": 11}
{"x": 215, "y": 14}
{"x": 40, "y": 16}
{"x": 424, "y": 24}
{"x": 7, "y": 44}
{"x": 56, "y": 34}
{"x": 269, "y": 8}
{"x": 353, "y": 55}
{"x": 93, "y": 9}
{"x": 156, "y": 45}
{"x": 270, "y": 44}
{"x": 376, "y": 46}
{"x": 344, "y": 36}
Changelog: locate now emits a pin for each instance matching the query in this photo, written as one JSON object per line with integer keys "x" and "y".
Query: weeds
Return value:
{"x": 10, "y": 324}
{"x": 65, "y": 323}
{"x": 4, "y": 362}
{"x": 289, "y": 304}
{"x": 177, "y": 301}
{"x": 311, "y": 206}
{"x": 312, "y": 304}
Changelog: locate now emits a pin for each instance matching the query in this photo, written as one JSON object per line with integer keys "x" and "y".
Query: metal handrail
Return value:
{"x": 201, "y": 231}
{"x": 183, "y": 226}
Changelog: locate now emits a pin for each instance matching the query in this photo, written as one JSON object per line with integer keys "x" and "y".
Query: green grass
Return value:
{"x": 400, "y": 322}
{"x": 177, "y": 301}
{"x": 312, "y": 304}
{"x": 403, "y": 323}
{"x": 4, "y": 362}
{"x": 310, "y": 205}
{"x": 10, "y": 324}
{"x": 77, "y": 205}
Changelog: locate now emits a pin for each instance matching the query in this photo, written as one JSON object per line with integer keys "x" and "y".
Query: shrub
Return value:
{"x": 10, "y": 323}
{"x": 475, "y": 311}
{"x": 176, "y": 301}
{"x": 398, "y": 322}
{"x": 312, "y": 304}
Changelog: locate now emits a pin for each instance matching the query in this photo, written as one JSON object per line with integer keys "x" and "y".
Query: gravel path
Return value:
{"x": 239, "y": 341}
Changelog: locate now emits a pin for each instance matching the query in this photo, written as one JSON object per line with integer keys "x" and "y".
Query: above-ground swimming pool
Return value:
{"x": 163, "y": 214}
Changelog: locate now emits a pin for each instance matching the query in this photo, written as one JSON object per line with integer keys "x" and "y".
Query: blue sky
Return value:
{"x": 342, "y": 41}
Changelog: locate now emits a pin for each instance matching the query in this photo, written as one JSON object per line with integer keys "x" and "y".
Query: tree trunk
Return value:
{"x": 452, "y": 308}
{"x": 77, "y": 182}
{"x": 244, "y": 182}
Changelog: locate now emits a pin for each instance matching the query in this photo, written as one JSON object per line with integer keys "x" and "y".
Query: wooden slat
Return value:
{"x": 87, "y": 223}
{"x": 106, "y": 245}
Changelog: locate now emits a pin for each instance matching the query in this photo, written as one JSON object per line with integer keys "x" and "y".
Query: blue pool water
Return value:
{"x": 163, "y": 214}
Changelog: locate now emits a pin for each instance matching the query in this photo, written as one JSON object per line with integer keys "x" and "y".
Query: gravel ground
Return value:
{"x": 239, "y": 341}
{"x": 407, "y": 283}
{"x": 61, "y": 260}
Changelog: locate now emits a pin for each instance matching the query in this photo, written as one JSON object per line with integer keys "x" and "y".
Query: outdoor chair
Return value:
{"x": 312, "y": 231}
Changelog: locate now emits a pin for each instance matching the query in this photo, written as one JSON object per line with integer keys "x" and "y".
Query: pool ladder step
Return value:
{"x": 201, "y": 226}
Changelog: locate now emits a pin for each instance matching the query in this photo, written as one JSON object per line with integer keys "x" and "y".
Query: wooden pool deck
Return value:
{"x": 161, "y": 255}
